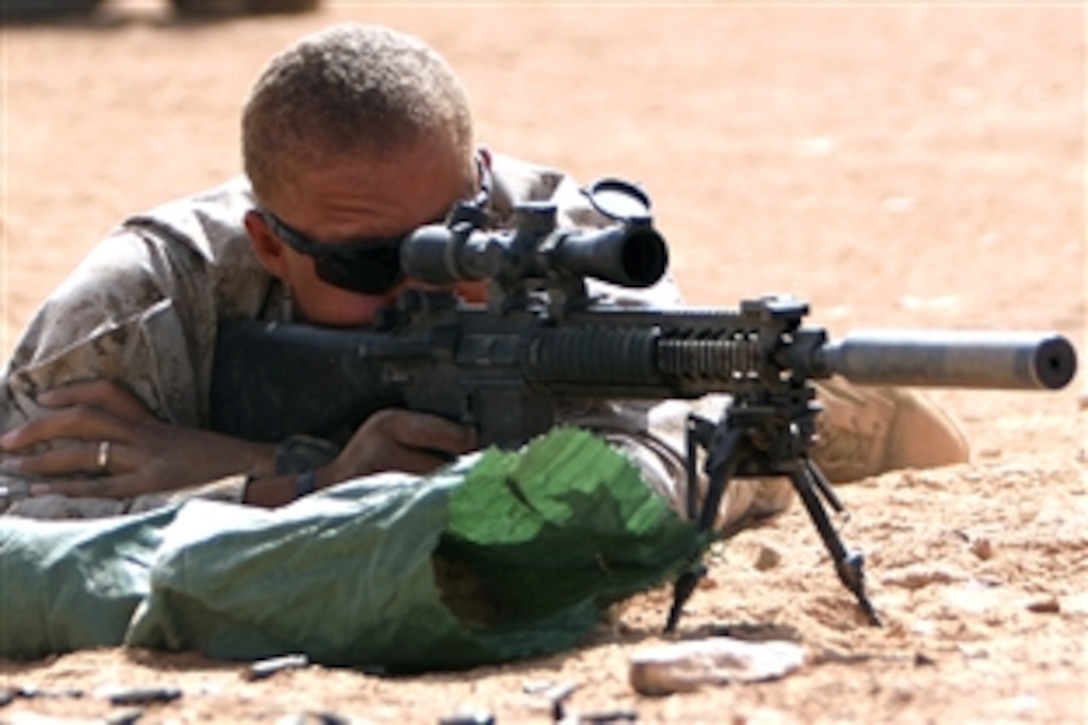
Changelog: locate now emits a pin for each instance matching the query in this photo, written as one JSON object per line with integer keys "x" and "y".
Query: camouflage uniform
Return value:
{"x": 142, "y": 308}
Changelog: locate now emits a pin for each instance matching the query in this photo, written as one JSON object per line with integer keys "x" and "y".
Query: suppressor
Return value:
{"x": 952, "y": 358}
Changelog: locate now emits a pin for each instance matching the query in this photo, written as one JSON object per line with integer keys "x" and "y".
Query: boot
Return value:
{"x": 866, "y": 431}
{"x": 862, "y": 431}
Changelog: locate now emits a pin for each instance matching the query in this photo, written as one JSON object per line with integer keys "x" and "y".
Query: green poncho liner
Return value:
{"x": 500, "y": 556}
{"x": 68, "y": 585}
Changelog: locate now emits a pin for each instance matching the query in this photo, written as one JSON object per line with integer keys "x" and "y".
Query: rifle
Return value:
{"x": 508, "y": 365}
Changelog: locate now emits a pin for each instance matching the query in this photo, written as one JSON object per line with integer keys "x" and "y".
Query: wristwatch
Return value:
{"x": 302, "y": 453}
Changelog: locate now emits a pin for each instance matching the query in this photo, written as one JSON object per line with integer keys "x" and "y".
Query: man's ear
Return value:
{"x": 483, "y": 153}
{"x": 266, "y": 245}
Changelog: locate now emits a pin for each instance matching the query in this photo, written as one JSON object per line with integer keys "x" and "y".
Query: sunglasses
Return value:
{"x": 371, "y": 266}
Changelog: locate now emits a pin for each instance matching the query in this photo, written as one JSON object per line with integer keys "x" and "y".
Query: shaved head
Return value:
{"x": 352, "y": 89}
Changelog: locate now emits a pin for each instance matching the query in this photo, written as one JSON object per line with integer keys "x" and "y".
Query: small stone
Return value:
{"x": 921, "y": 659}
{"x": 128, "y": 716}
{"x": 1050, "y": 605}
{"x": 982, "y": 548}
{"x": 560, "y": 692}
{"x": 767, "y": 558}
{"x": 689, "y": 665}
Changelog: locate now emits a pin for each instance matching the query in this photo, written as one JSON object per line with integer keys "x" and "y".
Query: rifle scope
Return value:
{"x": 630, "y": 253}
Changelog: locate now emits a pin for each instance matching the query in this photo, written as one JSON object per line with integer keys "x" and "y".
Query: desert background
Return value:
{"x": 897, "y": 164}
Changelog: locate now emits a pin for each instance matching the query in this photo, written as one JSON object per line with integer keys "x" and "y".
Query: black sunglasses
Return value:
{"x": 371, "y": 266}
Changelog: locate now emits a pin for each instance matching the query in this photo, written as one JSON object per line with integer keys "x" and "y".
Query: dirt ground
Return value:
{"x": 908, "y": 165}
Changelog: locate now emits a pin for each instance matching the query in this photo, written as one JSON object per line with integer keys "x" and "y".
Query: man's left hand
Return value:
{"x": 101, "y": 428}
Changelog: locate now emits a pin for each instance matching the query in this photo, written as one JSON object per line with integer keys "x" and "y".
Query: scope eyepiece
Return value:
{"x": 428, "y": 255}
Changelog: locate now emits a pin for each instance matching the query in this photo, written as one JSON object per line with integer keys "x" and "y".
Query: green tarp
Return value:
{"x": 500, "y": 556}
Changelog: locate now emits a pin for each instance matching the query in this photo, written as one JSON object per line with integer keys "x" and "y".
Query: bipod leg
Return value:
{"x": 720, "y": 467}
{"x": 682, "y": 590}
{"x": 823, "y": 487}
{"x": 699, "y": 434}
{"x": 849, "y": 566}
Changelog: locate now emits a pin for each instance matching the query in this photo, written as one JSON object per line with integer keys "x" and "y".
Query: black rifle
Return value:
{"x": 507, "y": 366}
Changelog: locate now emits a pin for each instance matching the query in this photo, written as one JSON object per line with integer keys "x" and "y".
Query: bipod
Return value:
{"x": 764, "y": 434}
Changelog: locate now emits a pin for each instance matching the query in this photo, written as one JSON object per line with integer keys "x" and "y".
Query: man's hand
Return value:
{"x": 400, "y": 440}
{"x": 389, "y": 440}
{"x": 101, "y": 428}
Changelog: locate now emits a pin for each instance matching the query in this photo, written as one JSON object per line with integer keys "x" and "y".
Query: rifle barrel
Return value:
{"x": 953, "y": 358}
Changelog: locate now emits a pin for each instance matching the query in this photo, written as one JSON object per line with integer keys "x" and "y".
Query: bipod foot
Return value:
{"x": 809, "y": 481}
{"x": 851, "y": 573}
{"x": 682, "y": 590}
{"x": 723, "y": 452}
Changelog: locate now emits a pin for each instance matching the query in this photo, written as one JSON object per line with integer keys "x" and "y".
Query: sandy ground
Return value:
{"x": 907, "y": 165}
